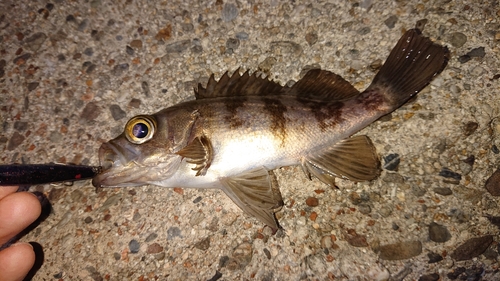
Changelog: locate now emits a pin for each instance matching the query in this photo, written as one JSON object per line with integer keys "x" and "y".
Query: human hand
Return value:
{"x": 17, "y": 211}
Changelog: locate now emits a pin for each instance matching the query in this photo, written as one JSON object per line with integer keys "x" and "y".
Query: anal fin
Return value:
{"x": 354, "y": 158}
{"x": 257, "y": 193}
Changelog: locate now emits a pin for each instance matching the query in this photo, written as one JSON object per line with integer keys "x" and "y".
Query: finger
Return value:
{"x": 16, "y": 261}
{"x": 17, "y": 211}
{"x": 6, "y": 190}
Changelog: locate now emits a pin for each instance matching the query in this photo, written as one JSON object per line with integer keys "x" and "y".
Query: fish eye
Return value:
{"x": 140, "y": 129}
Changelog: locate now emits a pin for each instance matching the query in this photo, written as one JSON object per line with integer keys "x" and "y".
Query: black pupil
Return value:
{"x": 140, "y": 130}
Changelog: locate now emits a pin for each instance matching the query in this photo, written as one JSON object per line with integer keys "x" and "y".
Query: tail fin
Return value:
{"x": 411, "y": 66}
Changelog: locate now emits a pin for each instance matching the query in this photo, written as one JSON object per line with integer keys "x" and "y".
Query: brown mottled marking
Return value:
{"x": 325, "y": 111}
{"x": 278, "y": 121}
{"x": 232, "y": 106}
{"x": 371, "y": 99}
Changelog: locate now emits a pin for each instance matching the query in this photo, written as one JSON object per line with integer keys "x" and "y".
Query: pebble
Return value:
{"x": 355, "y": 239}
{"x": 438, "y": 233}
{"x": 391, "y": 21}
{"x": 364, "y": 30}
{"x": 474, "y": 273}
{"x": 457, "y": 39}
{"x": 492, "y": 184}
{"x": 134, "y": 246}
{"x": 285, "y": 48}
{"x": 187, "y": 27}
{"x": 154, "y": 248}
{"x": 311, "y": 38}
{"x": 196, "y": 218}
{"x": 447, "y": 173}
{"x": 365, "y": 209}
{"x": 94, "y": 274}
{"x": 119, "y": 69}
{"x": 173, "y": 232}
{"x": 15, "y": 141}
{"x": 445, "y": 191}
{"x": 56, "y": 194}
{"x": 471, "y": 248}
{"x": 32, "y": 86}
{"x": 229, "y": 12}
{"x": 477, "y": 52}
{"x": 474, "y": 53}
{"x": 70, "y": 18}
{"x": 267, "y": 253}
{"x": 83, "y": 25}
{"x": 90, "y": 112}
{"x": 203, "y": 245}
{"x": 88, "y": 52}
{"x": 22, "y": 59}
{"x": 495, "y": 149}
{"x": 178, "y": 47}
{"x": 385, "y": 211}
{"x": 242, "y": 35}
{"x": 135, "y": 103}
{"x": 35, "y": 41}
{"x": 129, "y": 50}
{"x": 434, "y": 257}
{"x": 151, "y": 237}
{"x": 355, "y": 198}
{"x": 216, "y": 276}
{"x": 112, "y": 200}
{"x": 136, "y": 44}
{"x": 145, "y": 88}
{"x": 394, "y": 178}
{"x": 241, "y": 256}
{"x": 465, "y": 168}
{"x": 429, "y": 277}
{"x": 400, "y": 250}
{"x": 392, "y": 162}
{"x": 312, "y": 202}
{"x": 232, "y": 44}
{"x": 469, "y": 128}
{"x": 116, "y": 112}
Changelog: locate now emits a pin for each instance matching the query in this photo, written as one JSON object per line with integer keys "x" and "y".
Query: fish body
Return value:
{"x": 242, "y": 127}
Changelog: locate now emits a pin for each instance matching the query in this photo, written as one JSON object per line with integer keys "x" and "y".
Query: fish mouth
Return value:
{"x": 119, "y": 166}
{"x": 125, "y": 165}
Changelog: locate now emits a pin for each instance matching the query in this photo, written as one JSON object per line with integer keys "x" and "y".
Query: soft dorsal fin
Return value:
{"x": 237, "y": 85}
{"x": 323, "y": 85}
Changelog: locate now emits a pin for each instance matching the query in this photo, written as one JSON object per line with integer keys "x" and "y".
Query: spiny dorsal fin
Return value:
{"x": 322, "y": 85}
{"x": 237, "y": 85}
{"x": 316, "y": 85}
{"x": 200, "y": 153}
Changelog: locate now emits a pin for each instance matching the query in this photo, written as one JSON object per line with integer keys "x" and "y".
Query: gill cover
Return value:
{"x": 140, "y": 129}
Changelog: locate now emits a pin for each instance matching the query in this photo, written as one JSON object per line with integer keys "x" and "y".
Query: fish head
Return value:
{"x": 144, "y": 153}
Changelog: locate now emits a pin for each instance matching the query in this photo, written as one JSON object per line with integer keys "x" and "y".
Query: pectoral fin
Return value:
{"x": 353, "y": 158}
{"x": 200, "y": 153}
{"x": 256, "y": 192}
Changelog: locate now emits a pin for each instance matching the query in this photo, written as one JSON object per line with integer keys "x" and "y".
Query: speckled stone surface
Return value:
{"x": 73, "y": 72}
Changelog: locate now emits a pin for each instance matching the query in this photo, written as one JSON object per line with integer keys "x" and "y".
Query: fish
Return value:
{"x": 241, "y": 128}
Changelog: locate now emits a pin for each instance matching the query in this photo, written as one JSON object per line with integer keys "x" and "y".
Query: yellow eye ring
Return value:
{"x": 140, "y": 129}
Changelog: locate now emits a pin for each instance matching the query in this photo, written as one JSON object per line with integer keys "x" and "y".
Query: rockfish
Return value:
{"x": 242, "y": 127}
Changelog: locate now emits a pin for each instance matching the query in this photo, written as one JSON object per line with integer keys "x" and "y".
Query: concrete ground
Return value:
{"x": 73, "y": 72}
